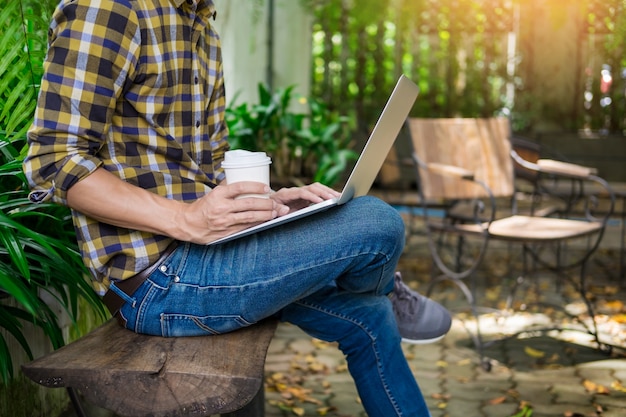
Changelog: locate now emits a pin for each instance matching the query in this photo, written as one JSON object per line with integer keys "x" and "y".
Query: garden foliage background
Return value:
{"x": 541, "y": 60}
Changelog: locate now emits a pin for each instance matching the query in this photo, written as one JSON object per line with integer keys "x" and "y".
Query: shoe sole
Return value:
{"x": 423, "y": 341}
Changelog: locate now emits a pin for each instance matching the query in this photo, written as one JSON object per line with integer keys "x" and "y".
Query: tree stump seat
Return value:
{"x": 137, "y": 375}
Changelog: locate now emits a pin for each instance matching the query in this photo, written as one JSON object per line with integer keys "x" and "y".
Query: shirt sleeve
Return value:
{"x": 93, "y": 50}
{"x": 219, "y": 138}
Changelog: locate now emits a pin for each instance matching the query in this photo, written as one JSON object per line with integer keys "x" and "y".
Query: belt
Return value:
{"x": 128, "y": 286}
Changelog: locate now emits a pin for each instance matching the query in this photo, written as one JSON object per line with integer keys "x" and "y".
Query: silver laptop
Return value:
{"x": 367, "y": 166}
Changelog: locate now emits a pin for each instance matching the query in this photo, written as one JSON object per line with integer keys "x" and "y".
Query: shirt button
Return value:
{"x": 176, "y": 279}
{"x": 163, "y": 268}
{"x": 198, "y": 124}
{"x": 196, "y": 80}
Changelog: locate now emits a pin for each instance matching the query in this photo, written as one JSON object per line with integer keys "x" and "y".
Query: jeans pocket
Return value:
{"x": 179, "y": 325}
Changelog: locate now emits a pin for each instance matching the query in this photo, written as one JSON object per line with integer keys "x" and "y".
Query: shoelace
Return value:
{"x": 409, "y": 300}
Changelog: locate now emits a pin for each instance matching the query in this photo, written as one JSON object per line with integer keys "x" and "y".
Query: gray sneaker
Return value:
{"x": 420, "y": 319}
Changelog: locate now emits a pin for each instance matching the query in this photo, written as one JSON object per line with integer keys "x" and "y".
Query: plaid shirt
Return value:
{"x": 135, "y": 87}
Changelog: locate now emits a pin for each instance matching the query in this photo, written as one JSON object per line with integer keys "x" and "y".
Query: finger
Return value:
{"x": 311, "y": 195}
{"x": 241, "y": 213}
{"x": 244, "y": 187}
{"x": 253, "y": 204}
{"x": 324, "y": 191}
{"x": 251, "y": 218}
{"x": 316, "y": 193}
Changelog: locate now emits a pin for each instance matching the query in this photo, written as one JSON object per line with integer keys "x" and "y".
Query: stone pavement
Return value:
{"x": 553, "y": 378}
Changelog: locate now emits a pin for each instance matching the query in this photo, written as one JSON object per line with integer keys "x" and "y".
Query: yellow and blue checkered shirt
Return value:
{"x": 135, "y": 87}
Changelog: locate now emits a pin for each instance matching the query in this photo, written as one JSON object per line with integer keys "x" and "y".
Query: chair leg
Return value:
{"x": 459, "y": 253}
{"x": 470, "y": 296}
{"x": 518, "y": 281}
{"x": 582, "y": 290}
{"x": 478, "y": 337}
{"x": 468, "y": 291}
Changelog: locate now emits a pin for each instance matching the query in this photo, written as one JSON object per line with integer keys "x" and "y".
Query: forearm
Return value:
{"x": 108, "y": 199}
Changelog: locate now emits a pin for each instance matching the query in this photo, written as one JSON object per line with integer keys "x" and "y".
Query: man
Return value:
{"x": 130, "y": 133}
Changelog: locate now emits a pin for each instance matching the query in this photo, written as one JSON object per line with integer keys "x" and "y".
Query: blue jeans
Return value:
{"x": 329, "y": 274}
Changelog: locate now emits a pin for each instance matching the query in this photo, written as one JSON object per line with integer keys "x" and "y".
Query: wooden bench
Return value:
{"x": 136, "y": 375}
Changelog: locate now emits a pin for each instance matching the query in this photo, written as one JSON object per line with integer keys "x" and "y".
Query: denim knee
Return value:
{"x": 381, "y": 221}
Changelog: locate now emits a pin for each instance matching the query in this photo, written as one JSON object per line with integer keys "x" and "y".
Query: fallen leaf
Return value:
{"x": 604, "y": 289}
{"x": 302, "y": 394}
{"x": 590, "y": 386}
{"x": 534, "y": 353}
{"x": 619, "y": 318}
{"x": 317, "y": 367}
{"x": 617, "y": 386}
{"x": 594, "y": 388}
{"x": 554, "y": 358}
{"x": 280, "y": 387}
{"x": 492, "y": 294}
{"x": 277, "y": 376}
{"x": 320, "y": 344}
{"x": 615, "y": 306}
{"x": 299, "y": 411}
{"x": 442, "y": 364}
{"x": 322, "y": 411}
{"x": 497, "y": 400}
{"x": 513, "y": 393}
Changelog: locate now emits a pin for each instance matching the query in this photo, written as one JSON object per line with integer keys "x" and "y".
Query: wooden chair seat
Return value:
{"x": 530, "y": 229}
{"x": 137, "y": 375}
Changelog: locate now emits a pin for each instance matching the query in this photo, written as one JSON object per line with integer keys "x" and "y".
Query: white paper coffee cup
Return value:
{"x": 240, "y": 165}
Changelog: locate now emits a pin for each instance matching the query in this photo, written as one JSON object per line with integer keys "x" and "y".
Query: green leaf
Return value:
{"x": 6, "y": 364}
{"x": 9, "y": 317}
{"x": 526, "y": 410}
{"x": 16, "y": 289}
{"x": 11, "y": 244}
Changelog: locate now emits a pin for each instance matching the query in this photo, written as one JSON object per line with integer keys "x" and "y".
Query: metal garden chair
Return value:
{"x": 469, "y": 163}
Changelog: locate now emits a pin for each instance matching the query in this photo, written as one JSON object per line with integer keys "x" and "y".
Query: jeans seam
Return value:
{"x": 140, "y": 315}
{"x": 365, "y": 329}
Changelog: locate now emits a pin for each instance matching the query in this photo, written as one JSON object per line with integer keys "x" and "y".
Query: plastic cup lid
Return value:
{"x": 240, "y": 158}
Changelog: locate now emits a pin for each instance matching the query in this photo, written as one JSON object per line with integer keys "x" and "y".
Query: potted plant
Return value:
{"x": 305, "y": 147}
